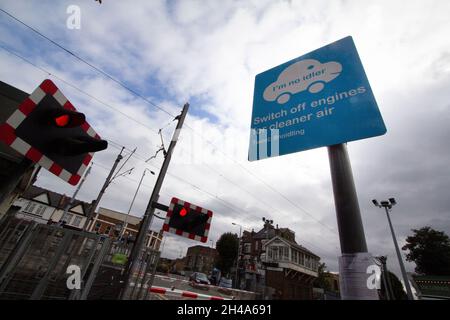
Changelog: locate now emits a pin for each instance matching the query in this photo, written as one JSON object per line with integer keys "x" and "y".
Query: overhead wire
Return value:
{"x": 148, "y": 101}
{"x": 165, "y": 111}
{"x": 87, "y": 63}
{"x": 234, "y": 208}
{"x": 78, "y": 89}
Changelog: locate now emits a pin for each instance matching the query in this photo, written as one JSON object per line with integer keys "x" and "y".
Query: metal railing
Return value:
{"x": 34, "y": 260}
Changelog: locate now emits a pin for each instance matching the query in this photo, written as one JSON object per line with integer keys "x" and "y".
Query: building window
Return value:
{"x": 301, "y": 259}
{"x": 294, "y": 256}
{"x": 256, "y": 245}
{"x": 308, "y": 262}
{"x": 30, "y": 207}
{"x": 77, "y": 221}
{"x": 285, "y": 253}
{"x": 273, "y": 253}
{"x": 40, "y": 210}
{"x": 108, "y": 230}
{"x": 247, "y": 247}
{"x": 67, "y": 217}
{"x": 97, "y": 226}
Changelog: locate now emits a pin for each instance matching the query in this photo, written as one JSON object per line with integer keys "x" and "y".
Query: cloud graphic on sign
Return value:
{"x": 303, "y": 75}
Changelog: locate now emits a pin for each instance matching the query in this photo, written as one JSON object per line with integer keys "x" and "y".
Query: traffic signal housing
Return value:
{"x": 47, "y": 129}
{"x": 188, "y": 220}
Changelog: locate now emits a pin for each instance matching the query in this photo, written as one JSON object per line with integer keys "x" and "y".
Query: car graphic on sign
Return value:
{"x": 308, "y": 74}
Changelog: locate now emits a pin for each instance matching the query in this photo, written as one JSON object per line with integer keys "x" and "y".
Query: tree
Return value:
{"x": 396, "y": 287}
{"x": 430, "y": 250}
{"x": 321, "y": 281}
{"x": 227, "y": 247}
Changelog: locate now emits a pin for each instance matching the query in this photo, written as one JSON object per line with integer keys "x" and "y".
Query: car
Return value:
{"x": 200, "y": 278}
{"x": 308, "y": 74}
{"x": 225, "y": 286}
{"x": 215, "y": 276}
{"x": 225, "y": 283}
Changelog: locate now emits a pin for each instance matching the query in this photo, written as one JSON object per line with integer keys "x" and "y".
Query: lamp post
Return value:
{"x": 239, "y": 245}
{"x": 387, "y": 205}
{"x": 122, "y": 230}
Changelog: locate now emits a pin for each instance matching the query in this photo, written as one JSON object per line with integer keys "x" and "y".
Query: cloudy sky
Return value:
{"x": 207, "y": 53}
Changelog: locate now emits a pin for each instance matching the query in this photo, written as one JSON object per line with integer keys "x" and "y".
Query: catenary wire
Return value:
{"x": 162, "y": 109}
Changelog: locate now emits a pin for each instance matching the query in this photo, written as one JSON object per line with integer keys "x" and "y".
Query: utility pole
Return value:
{"x": 388, "y": 279}
{"x": 266, "y": 254}
{"x": 66, "y": 209}
{"x": 355, "y": 259}
{"x": 239, "y": 247}
{"x": 102, "y": 190}
{"x": 124, "y": 226}
{"x": 387, "y": 205}
{"x": 133, "y": 260}
{"x": 384, "y": 275}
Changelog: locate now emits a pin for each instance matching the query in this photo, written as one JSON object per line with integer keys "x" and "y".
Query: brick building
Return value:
{"x": 200, "y": 258}
{"x": 288, "y": 269}
{"x": 179, "y": 265}
{"x": 112, "y": 223}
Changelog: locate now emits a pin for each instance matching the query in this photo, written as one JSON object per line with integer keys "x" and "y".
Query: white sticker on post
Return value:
{"x": 359, "y": 278}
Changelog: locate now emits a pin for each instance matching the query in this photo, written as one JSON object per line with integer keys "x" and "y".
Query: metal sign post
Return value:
{"x": 355, "y": 259}
{"x": 351, "y": 231}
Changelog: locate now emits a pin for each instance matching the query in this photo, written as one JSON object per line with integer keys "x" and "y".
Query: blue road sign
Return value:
{"x": 319, "y": 99}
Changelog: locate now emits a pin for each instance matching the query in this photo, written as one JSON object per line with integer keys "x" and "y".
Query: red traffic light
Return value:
{"x": 47, "y": 129}
{"x": 183, "y": 212}
{"x": 63, "y": 118}
{"x": 188, "y": 220}
{"x": 62, "y": 121}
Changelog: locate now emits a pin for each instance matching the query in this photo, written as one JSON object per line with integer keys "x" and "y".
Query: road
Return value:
{"x": 175, "y": 287}
{"x": 179, "y": 284}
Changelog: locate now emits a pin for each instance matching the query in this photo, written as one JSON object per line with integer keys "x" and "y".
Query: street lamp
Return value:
{"x": 387, "y": 205}
{"x": 122, "y": 231}
{"x": 239, "y": 245}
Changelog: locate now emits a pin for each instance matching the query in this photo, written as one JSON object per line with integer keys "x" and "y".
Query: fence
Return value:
{"x": 34, "y": 259}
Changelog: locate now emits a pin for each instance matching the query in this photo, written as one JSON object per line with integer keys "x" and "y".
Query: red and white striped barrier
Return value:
{"x": 184, "y": 294}
{"x": 8, "y": 132}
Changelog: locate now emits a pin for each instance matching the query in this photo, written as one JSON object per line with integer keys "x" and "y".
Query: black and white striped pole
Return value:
{"x": 133, "y": 260}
